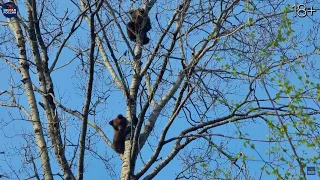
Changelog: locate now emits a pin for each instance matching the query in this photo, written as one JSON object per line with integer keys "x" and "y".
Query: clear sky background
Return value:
{"x": 66, "y": 83}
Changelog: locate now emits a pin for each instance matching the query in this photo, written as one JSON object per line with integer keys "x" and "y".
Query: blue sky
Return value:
{"x": 66, "y": 85}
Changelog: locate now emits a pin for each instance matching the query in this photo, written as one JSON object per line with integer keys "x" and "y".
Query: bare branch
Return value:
{"x": 88, "y": 92}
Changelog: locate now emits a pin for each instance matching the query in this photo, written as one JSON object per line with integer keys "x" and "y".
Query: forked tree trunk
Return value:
{"x": 36, "y": 123}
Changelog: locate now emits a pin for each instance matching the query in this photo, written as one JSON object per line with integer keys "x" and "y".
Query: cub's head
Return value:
{"x": 119, "y": 123}
{"x": 137, "y": 15}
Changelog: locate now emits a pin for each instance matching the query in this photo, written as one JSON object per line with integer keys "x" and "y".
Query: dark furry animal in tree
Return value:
{"x": 134, "y": 27}
{"x": 119, "y": 125}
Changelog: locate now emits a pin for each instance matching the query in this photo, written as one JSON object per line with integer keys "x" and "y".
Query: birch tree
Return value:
{"x": 229, "y": 89}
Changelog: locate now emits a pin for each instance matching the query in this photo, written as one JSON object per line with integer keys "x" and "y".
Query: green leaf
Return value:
{"x": 245, "y": 144}
{"x": 204, "y": 165}
{"x": 252, "y": 146}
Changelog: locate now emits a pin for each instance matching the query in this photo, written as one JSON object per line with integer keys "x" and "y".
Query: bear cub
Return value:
{"x": 119, "y": 125}
{"x": 134, "y": 27}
